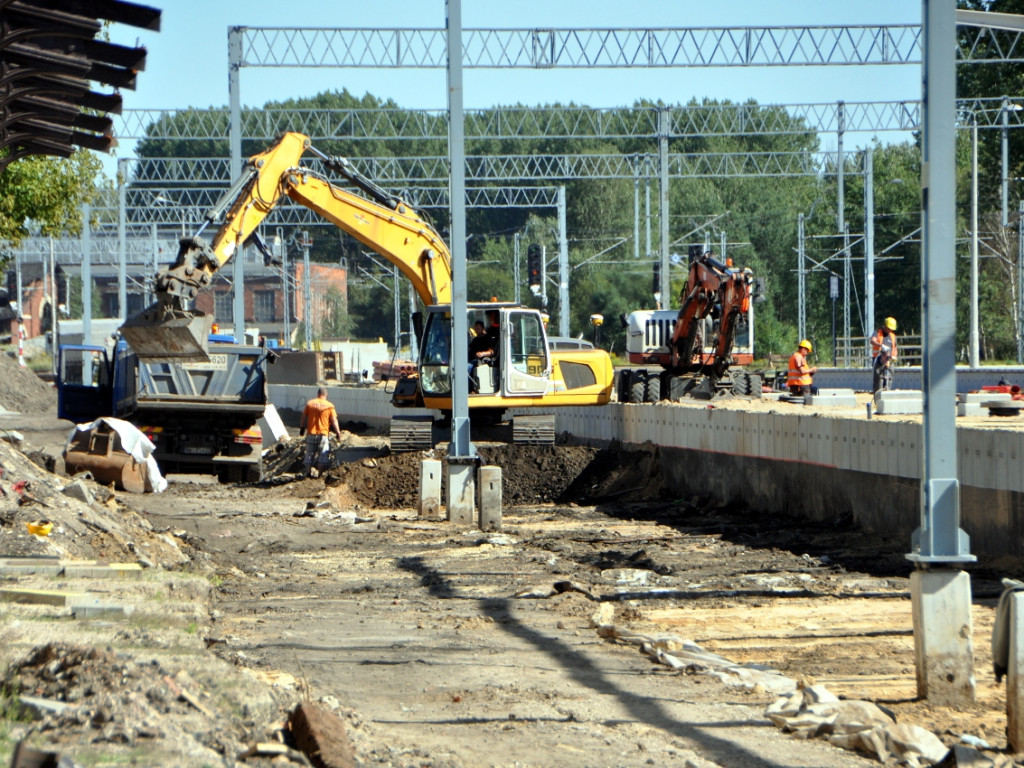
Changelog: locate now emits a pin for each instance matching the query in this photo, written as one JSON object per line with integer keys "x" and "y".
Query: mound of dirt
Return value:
{"x": 21, "y": 390}
{"x": 530, "y": 475}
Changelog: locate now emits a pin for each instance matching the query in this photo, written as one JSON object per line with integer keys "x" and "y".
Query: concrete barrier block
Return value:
{"x": 943, "y": 638}
{"x": 1015, "y": 676}
{"x": 899, "y": 402}
{"x": 970, "y": 404}
{"x": 833, "y": 398}
{"x": 1001, "y": 456}
{"x": 914, "y": 450}
{"x": 1016, "y": 440}
{"x": 461, "y": 493}
{"x": 489, "y": 502}
{"x": 430, "y": 488}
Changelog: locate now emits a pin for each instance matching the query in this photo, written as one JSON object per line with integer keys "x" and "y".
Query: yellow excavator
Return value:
{"x": 523, "y": 372}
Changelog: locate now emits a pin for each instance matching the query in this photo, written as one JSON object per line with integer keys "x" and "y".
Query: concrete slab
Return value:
{"x": 42, "y": 596}
{"x": 970, "y": 404}
{"x": 114, "y": 571}
{"x": 897, "y": 402}
{"x": 833, "y": 398}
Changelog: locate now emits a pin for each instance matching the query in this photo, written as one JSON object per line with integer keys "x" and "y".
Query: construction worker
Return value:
{"x": 800, "y": 373}
{"x": 319, "y": 419}
{"x": 883, "y": 350}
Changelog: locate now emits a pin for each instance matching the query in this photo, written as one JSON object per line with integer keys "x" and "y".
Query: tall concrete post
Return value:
{"x": 515, "y": 268}
{"x": 636, "y": 209}
{"x": 940, "y": 592}
{"x": 1004, "y": 145}
{"x": 86, "y": 275}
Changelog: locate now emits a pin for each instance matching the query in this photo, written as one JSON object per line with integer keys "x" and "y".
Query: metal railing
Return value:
{"x": 857, "y": 352}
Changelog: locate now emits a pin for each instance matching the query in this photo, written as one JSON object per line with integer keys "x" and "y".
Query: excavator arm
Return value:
{"x": 709, "y": 283}
{"x": 166, "y": 331}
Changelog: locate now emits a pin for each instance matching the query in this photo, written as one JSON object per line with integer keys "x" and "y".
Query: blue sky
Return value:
{"x": 187, "y": 61}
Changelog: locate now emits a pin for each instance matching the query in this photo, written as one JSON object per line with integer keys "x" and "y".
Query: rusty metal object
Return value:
{"x": 99, "y": 452}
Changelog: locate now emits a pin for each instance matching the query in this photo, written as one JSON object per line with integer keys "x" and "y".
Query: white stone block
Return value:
{"x": 430, "y": 487}
{"x": 943, "y": 639}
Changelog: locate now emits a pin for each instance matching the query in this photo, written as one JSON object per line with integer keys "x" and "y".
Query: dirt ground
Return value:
{"x": 443, "y": 646}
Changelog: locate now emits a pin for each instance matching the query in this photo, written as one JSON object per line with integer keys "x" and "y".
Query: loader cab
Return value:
{"x": 522, "y": 367}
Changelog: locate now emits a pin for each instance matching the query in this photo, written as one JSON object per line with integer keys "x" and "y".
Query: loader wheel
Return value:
{"x": 637, "y": 388}
{"x": 740, "y": 384}
{"x": 652, "y": 392}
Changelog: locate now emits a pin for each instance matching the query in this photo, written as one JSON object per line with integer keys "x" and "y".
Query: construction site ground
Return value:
{"x": 444, "y": 646}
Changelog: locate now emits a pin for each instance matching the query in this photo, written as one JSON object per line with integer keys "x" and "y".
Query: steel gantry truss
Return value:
{"x": 516, "y": 122}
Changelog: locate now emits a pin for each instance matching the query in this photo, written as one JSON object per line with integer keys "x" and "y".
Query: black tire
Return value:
{"x": 637, "y": 389}
{"x": 740, "y": 384}
{"x": 652, "y": 392}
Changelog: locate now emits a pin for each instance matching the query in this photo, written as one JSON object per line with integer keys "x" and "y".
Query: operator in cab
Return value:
{"x": 484, "y": 347}
{"x": 800, "y": 372}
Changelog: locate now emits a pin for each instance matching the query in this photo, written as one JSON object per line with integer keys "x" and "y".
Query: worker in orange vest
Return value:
{"x": 800, "y": 373}
{"x": 883, "y": 350}
{"x": 319, "y": 419}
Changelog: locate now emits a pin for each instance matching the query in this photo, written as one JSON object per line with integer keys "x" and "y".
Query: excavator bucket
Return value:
{"x": 160, "y": 334}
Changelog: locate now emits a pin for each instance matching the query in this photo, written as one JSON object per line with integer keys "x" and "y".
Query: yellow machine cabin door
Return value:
{"x": 524, "y": 347}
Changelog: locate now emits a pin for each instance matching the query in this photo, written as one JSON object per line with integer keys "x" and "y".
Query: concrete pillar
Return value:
{"x": 430, "y": 487}
{"x": 489, "y": 494}
{"x": 943, "y": 642}
{"x": 1015, "y": 676}
{"x": 461, "y": 490}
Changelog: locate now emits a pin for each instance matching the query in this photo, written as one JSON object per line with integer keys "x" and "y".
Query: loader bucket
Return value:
{"x": 98, "y": 451}
{"x": 161, "y": 335}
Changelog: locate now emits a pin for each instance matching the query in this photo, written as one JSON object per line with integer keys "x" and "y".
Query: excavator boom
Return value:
{"x": 167, "y": 332}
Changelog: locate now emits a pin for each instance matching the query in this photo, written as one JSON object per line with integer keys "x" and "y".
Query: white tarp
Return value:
{"x": 134, "y": 443}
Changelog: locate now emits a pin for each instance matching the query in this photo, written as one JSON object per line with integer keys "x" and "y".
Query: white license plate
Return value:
{"x": 197, "y": 450}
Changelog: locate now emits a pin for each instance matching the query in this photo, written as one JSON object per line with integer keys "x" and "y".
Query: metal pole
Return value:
{"x": 397, "y": 294}
{"x": 940, "y": 594}
{"x": 156, "y": 261}
{"x": 847, "y": 281}
{"x": 563, "y": 267}
{"x": 663, "y": 298}
{"x": 307, "y": 293}
{"x": 86, "y": 274}
{"x": 647, "y": 207}
{"x": 636, "y": 212}
{"x": 286, "y": 321}
{"x": 801, "y": 279}
{"x": 414, "y": 342}
{"x": 515, "y": 268}
{"x": 1004, "y": 182}
{"x": 54, "y": 305}
{"x": 975, "y": 341}
{"x": 461, "y": 445}
{"x": 235, "y": 146}
{"x": 1020, "y": 284}
{"x": 869, "y": 248}
{"x": 721, "y": 253}
{"x": 122, "y": 240}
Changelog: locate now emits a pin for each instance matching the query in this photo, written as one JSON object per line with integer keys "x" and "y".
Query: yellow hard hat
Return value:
{"x": 807, "y": 344}
{"x": 890, "y": 323}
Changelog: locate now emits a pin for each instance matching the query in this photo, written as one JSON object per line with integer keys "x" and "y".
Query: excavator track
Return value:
{"x": 534, "y": 430}
{"x": 411, "y": 433}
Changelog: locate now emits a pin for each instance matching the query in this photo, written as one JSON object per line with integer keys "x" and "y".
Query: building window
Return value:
{"x": 263, "y": 306}
{"x": 222, "y": 306}
{"x": 109, "y": 305}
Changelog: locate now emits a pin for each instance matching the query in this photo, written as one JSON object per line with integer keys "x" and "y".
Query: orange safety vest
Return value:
{"x": 318, "y": 415}
{"x": 879, "y": 339}
{"x": 799, "y": 371}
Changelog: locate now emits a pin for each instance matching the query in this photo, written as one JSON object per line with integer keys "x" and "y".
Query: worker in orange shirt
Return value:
{"x": 883, "y": 351}
{"x": 319, "y": 419}
{"x": 800, "y": 372}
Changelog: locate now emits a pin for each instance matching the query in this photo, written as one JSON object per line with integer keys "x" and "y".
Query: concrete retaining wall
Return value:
{"x": 805, "y": 465}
